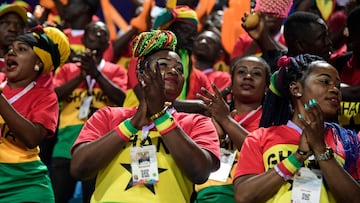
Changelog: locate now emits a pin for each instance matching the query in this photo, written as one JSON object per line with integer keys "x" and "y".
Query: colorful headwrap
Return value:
{"x": 148, "y": 42}
{"x": 50, "y": 45}
{"x": 278, "y": 8}
{"x": 8, "y": 8}
{"x": 168, "y": 16}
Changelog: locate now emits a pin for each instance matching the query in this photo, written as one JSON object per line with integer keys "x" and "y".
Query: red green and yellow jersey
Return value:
{"x": 265, "y": 147}
{"x": 114, "y": 182}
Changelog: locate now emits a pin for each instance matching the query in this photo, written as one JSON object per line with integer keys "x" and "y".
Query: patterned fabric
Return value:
{"x": 182, "y": 14}
{"x": 50, "y": 45}
{"x": 279, "y": 8}
{"x": 148, "y": 42}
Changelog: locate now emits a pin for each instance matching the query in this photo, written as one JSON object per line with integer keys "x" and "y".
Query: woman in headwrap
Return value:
{"x": 296, "y": 155}
{"x": 29, "y": 114}
{"x": 180, "y": 149}
{"x": 182, "y": 21}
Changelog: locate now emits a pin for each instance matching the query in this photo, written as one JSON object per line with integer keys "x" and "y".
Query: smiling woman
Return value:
{"x": 294, "y": 149}
{"x": 154, "y": 128}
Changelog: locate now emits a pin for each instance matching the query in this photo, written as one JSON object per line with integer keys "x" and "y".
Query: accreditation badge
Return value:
{"x": 85, "y": 107}
{"x": 307, "y": 186}
{"x": 144, "y": 168}
{"x": 227, "y": 158}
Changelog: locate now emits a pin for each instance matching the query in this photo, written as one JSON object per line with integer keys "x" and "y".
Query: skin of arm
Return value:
{"x": 87, "y": 159}
{"x": 181, "y": 147}
{"x": 31, "y": 134}
{"x": 261, "y": 187}
{"x": 335, "y": 176}
{"x": 115, "y": 93}
{"x": 121, "y": 43}
{"x": 220, "y": 111}
{"x": 65, "y": 89}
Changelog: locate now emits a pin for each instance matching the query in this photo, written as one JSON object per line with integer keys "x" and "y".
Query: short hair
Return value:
{"x": 93, "y": 5}
{"x": 297, "y": 21}
{"x": 261, "y": 60}
{"x": 353, "y": 24}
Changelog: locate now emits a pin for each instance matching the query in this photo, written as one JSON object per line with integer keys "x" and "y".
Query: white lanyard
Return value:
{"x": 207, "y": 71}
{"x": 90, "y": 81}
{"x": 21, "y": 93}
{"x": 249, "y": 115}
{"x": 145, "y": 129}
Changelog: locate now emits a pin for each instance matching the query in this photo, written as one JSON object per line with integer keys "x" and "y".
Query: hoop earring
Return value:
{"x": 36, "y": 67}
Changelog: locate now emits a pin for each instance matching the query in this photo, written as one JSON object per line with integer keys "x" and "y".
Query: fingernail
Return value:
{"x": 306, "y": 106}
{"x": 314, "y": 101}
{"x": 300, "y": 116}
{"x": 311, "y": 102}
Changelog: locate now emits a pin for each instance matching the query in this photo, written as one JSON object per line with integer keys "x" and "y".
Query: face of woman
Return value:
{"x": 323, "y": 84}
{"x": 249, "y": 80}
{"x": 171, "y": 70}
{"x": 19, "y": 63}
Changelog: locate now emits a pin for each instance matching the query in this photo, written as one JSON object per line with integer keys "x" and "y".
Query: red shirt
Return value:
{"x": 243, "y": 43}
{"x": 220, "y": 78}
{"x": 350, "y": 74}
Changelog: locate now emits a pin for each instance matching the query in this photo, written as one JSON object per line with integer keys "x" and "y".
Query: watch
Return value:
{"x": 328, "y": 154}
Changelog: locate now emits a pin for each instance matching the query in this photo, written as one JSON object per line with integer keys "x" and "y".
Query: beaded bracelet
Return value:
{"x": 165, "y": 123}
{"x": 125, "y": 130}
{"x": 160, "y": 113}
{"x": 288, "y": 167}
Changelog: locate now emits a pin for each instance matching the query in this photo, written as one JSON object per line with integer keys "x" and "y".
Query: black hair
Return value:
{"x": 277, "y": 109}
{"x": 353, "y": 24}
{"x": 93, "y": 5}
{"x": 296, "y": 24}
{"x": 232, "y": 72}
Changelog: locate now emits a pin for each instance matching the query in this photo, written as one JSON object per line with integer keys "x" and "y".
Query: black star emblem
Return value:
{"x": 148, "y": 186}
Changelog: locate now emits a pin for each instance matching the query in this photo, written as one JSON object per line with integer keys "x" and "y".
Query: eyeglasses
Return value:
{"x": 7, "y": 23}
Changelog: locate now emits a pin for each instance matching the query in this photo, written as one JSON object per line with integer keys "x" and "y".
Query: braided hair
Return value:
{"x": 277, "y": 107}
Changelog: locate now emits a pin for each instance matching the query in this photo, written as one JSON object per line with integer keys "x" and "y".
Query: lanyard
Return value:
{"x": 21, "y": 93}
{"x": 207, "y": 71}
{"x": 249, "y": 115}
{"x": 145, "y": 129}
{"x": 91, "y": 81}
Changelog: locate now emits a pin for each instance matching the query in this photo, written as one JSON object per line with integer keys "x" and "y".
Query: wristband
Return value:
{"x": 280, "y": 173}
{"x": 165, "y": 123}
{"x": 288, "y": 167}
{"x": 126, "y": 130}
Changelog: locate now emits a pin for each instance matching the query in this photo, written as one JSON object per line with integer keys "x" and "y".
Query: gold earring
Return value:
{"x": 36, "y": 67}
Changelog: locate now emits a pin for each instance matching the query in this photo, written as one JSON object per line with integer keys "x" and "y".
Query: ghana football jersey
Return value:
{"x": 114, "y": 182}
{"x": 265, "y": 147}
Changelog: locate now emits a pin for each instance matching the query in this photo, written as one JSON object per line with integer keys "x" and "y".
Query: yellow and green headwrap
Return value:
{"x": 168, "y": 16}
{"x": 148, "y": 42}
{"x": 50, "y": 44}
